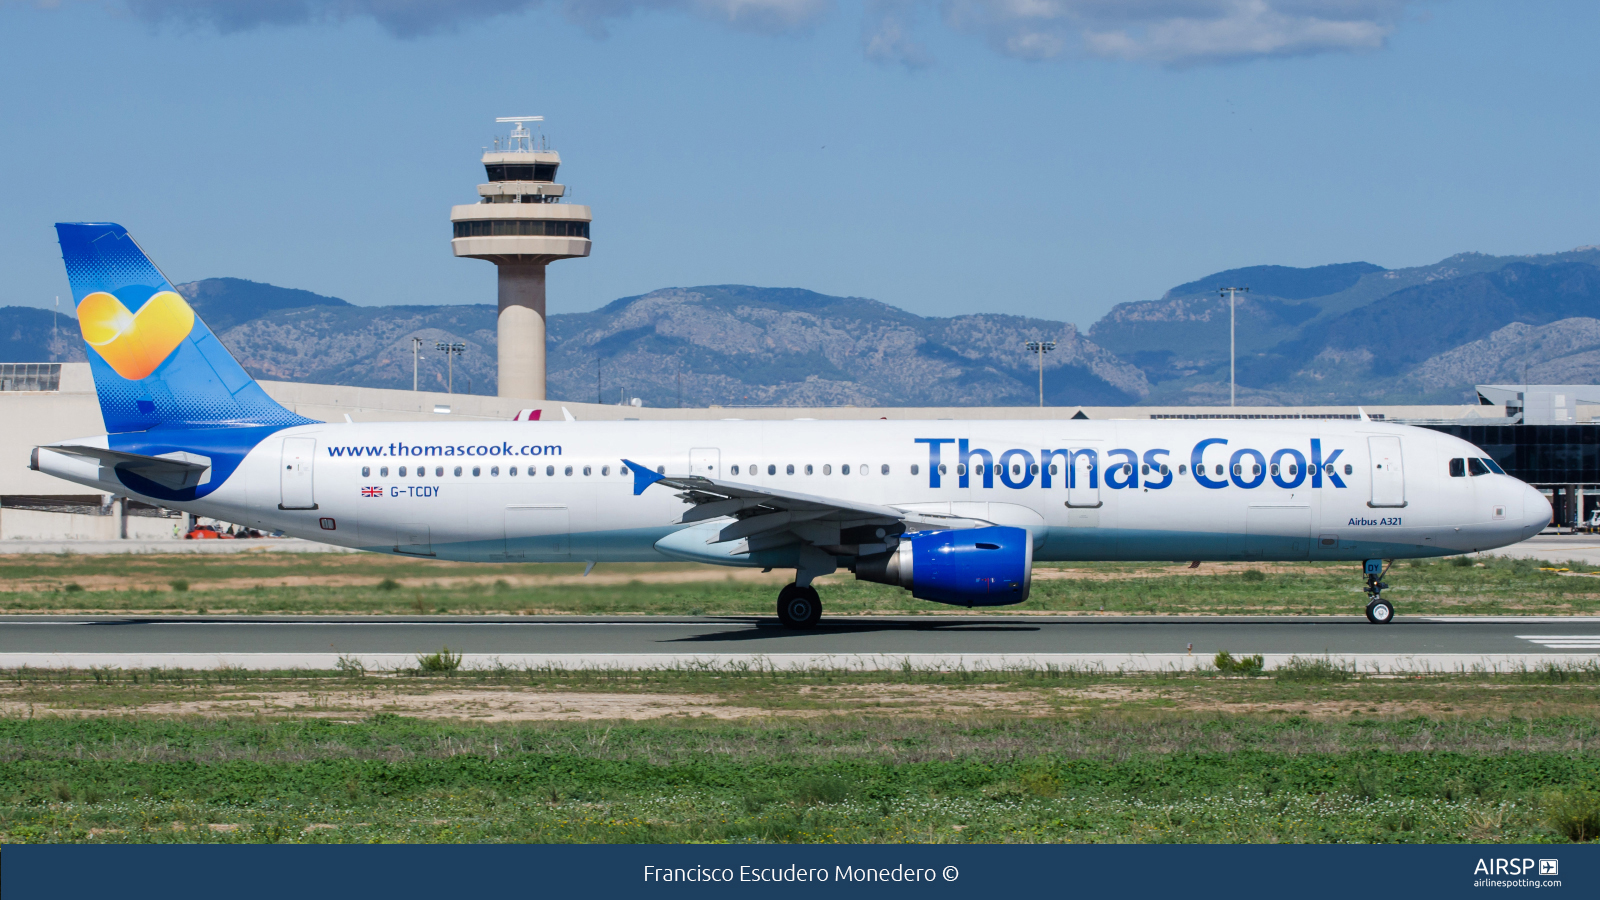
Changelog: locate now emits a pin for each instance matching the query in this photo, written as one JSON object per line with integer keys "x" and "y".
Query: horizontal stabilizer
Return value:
{"x": 173, "y": 470}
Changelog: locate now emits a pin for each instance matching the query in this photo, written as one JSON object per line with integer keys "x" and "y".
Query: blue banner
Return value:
{"x": 311, "y": 872}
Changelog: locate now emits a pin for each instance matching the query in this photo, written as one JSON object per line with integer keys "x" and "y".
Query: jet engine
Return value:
{"x": 990, "y": 566}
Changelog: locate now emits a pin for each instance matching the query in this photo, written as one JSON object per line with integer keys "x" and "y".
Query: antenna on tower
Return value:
{"x": 521, "y": 140}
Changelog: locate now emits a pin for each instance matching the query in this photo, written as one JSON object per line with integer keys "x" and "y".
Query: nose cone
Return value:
{"x": 1536, "y": 511}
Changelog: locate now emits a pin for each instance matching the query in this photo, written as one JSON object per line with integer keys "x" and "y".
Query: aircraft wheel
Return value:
{"x": 799, "y": 607}
{"x": 1379, "y": 612}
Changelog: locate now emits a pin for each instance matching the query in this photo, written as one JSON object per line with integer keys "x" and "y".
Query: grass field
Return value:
{"x": 362, "y": 583}
{"x": 1306, "y": 754}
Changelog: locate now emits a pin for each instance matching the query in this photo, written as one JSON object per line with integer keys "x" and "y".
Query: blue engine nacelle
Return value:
{"x": 966, "y": 567}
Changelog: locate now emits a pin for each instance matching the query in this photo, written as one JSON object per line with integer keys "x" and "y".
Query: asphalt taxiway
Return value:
{"x": 1126, "y": 642}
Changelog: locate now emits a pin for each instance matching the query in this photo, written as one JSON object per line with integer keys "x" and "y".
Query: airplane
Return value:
{"x": 956, "y": 511}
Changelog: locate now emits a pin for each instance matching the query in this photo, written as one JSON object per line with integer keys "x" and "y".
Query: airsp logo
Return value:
{"x": 1549, "y": 867}
{"x": 1502, "y": 866}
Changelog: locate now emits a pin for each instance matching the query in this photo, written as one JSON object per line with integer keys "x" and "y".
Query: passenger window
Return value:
{"x": 1294, "y": 469}
{"x": 1238, "y": 469}
{"x": 551, "y": 470}
{"x": 915, "y": 468}
{"x": 1164, "y": 470}
{"x": 366, "y": 472}
{"x": 808, "y": 468}
{"x": 1219, "y": 468}
{"x": 961, "y": 468}
{"x": 772, "y": 469}
{"x": 844, "y": 469}
{"x": 1182, "y": 469}
{"x": 402, "y": 471}
{"x": 587, "y": 471}
{"x": 384, "y": 471}
{"x": 1052, "y": 468}
{"x": 1458, "y": 468}
{"x": 512, "y": 471}
{"x": 944, "y": 470}
{"x": 439, "y": 471}
{"x": 884, "y": 469}
{"x": 1033, "y": 469}
{"x": 477, "y": 471}
{"x": 1274, "y": 470}
{"x": 827, "y": 469}
{"x": 621, "y": 470}
{"x": 604, "y": 470}
{"x": 1476, "y": 467}
{"x": 1255, "y": 470}
{"x": 1144, "y": 469}
{"x": 494, "y": 471}
{"x": 734, "y": 471}
{"x": 1349, "y": 469}
{"x": 788, "y": 469}
{"x": 458, "y": 471}
{"x": 567, "y": 471}
{"x": 863, "y": 468}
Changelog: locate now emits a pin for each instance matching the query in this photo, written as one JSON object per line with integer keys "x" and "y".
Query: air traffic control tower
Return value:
{"x": 521, "y": 224}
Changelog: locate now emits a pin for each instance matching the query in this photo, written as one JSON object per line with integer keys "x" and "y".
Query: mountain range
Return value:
{"x": 1335, "y": 334}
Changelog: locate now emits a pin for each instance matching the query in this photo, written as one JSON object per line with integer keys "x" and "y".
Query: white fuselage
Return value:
{"x": 551, "y": 491}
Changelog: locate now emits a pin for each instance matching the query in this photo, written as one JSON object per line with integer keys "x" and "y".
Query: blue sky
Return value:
{"x": 1040, "y": 157}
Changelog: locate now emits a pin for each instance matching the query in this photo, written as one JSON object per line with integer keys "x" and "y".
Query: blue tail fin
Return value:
{"x": 155, "y": 364}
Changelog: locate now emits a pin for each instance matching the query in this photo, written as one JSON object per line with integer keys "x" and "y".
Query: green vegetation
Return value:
{"x": 1244, "y": 665}
{"x": 819, "y": 756}
{"x": 265, "y": 582}
{"x": 394, "y": 778}
{"x": 442, "y": 663}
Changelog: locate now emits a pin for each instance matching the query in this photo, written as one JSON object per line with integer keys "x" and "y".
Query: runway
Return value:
{"x": 856, "y": 642}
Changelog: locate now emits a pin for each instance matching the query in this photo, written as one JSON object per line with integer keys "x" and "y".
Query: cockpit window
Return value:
{"x": 1493, "y": 466}
{"x": 1476, "y": 467}
{"x": 1458, "y": 468}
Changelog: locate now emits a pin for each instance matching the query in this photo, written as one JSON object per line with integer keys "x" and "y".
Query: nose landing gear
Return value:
{"x": 799, "y": 607}
{"x": 1379, "y": 610}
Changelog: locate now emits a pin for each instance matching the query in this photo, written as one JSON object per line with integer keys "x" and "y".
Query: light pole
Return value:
{"x": 416, "y": 345}
{"x": 1232, "y": 383}
{"x": 450, "y": 351}
{"x": 1040, "y": 348}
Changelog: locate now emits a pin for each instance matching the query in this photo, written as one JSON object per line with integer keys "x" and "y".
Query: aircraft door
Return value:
{"x": 705, "y": 462}
{"x": 295, "y": 490}
{"x": 537, "y": 533}
{"x": 1388, "y": 475}
{"x": 1277, "y": 532}
{"x": 1083, "y": 480}
{"x": 414, "y": 539}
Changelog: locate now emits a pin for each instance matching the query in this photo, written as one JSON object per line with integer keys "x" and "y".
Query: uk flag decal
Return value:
{"x": 372, "y": 492}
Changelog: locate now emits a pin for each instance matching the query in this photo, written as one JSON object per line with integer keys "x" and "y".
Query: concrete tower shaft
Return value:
{"x": 521, "y": 223}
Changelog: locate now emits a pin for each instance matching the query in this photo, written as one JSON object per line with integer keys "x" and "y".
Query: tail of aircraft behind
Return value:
{"x": 156, "y": 365}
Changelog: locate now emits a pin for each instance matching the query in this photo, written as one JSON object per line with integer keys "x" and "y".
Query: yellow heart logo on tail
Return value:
{"x": 133, "y": 344}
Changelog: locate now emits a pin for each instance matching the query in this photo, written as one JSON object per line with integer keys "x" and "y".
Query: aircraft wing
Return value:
{"x": 768, "y": 517}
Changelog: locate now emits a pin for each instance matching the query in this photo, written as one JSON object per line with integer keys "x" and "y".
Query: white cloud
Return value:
{"x": 1176, "y": 32}
{"x": 886, "y": 33}
{"x": 1166, "y": 32}
{"x": 416, "y": 18}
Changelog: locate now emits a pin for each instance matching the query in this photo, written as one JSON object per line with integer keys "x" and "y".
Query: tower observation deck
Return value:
{"x": 521, "y": 223}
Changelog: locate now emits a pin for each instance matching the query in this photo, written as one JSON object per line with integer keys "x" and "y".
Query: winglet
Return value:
{"x": 643, "y": 477}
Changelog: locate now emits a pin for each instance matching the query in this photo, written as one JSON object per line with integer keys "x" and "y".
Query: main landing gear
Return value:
{"x": 1379, "y": 610}
{"x": 799, "y": 607}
